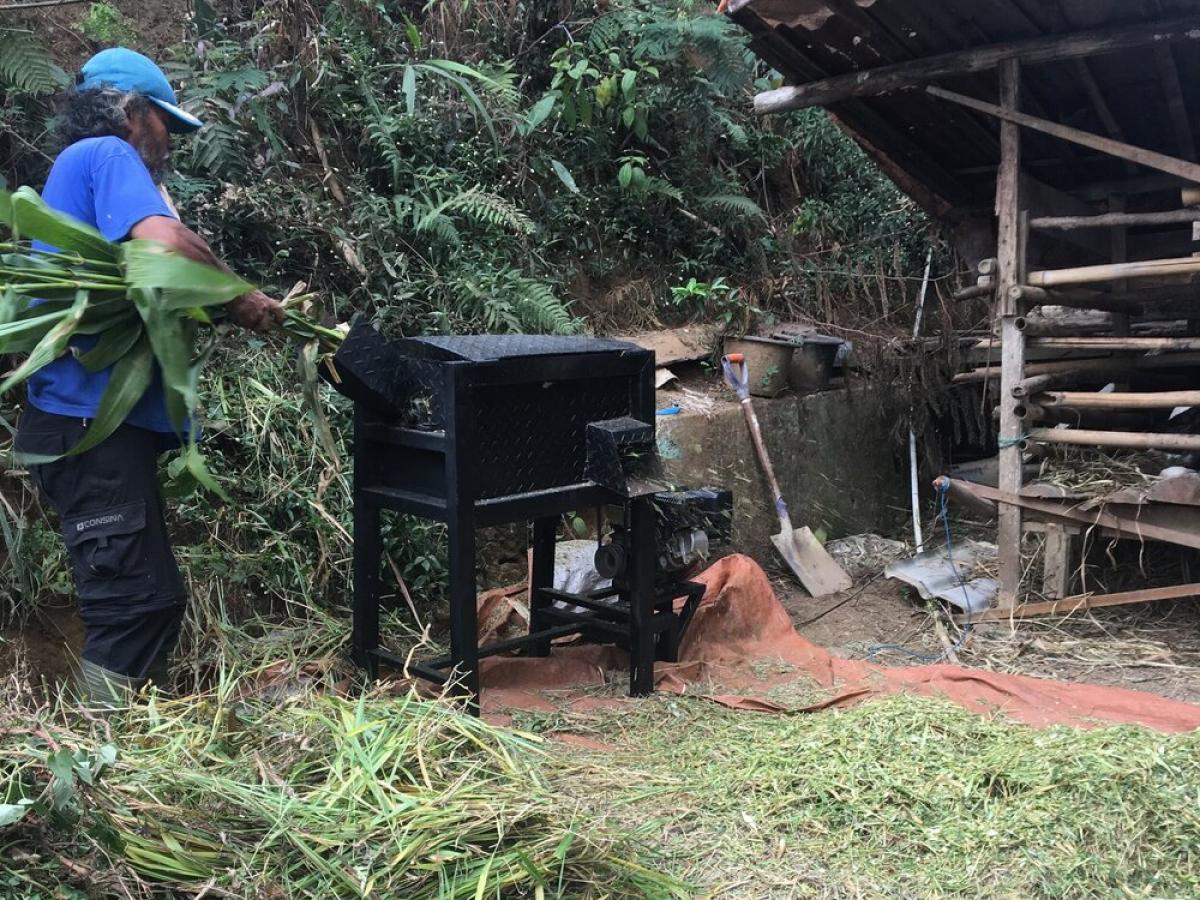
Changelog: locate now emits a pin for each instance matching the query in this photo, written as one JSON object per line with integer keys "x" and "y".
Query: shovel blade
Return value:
{"x": 817, "y": 570}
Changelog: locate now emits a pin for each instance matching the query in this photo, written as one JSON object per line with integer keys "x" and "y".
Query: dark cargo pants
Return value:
{"x": 131, "y": 593}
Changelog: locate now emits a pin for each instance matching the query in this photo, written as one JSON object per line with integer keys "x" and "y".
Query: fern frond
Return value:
{"x": 662, "y": 187}
{"x": 217, "y": 150}
{"x": 482, "y": 208}
{"x": 25, "y": 65}
{"x": 540, "y": 309}
{"x": 734, "y": 205}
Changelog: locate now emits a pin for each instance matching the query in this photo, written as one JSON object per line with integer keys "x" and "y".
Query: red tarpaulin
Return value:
{"x": 740, "y": 621}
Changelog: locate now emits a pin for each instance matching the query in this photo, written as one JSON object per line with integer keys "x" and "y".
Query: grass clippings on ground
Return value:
{"x": 898, "y": 797}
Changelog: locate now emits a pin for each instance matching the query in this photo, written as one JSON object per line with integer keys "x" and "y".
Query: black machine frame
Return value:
{"x": 439, "y": 479}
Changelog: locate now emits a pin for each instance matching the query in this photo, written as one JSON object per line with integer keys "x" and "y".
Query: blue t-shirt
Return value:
{"x": 103, "y": 183}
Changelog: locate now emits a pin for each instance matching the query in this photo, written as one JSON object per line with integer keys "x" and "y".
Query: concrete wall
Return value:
{"x": 838, "y": 466}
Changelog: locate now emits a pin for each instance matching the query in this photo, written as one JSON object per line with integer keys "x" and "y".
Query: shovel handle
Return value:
{"x": 737, "y": 376}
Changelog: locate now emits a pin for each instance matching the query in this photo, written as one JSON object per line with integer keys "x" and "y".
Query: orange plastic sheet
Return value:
{"x": 740, "y": 622}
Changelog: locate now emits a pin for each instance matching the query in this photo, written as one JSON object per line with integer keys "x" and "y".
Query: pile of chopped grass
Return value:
{"x": 315, "y": 796}
{"x": 898, "y": 797}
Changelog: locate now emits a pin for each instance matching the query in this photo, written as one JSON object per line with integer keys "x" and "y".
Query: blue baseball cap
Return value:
{"x": 127, "y": 70}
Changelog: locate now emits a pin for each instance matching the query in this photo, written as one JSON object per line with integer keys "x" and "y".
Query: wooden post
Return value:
{"x": 1012, "y": 359}
{"x": 1056, "y": 564}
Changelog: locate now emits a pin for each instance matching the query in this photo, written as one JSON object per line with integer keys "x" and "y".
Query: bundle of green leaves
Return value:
{"x": 144, "y": 305}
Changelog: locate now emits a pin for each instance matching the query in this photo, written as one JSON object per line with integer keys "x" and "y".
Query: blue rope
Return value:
{"x": 1003, "y": 443}
{"x": 944, "y": 511}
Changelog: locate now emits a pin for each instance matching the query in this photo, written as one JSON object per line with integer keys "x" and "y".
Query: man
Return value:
{"x": 116, "y": 126}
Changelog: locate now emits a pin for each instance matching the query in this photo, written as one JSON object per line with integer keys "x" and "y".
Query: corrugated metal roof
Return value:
{"x": 945, "y": 156}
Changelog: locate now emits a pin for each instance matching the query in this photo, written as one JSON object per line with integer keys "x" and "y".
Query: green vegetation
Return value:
{"x": 106, "y": 25}
{"x": 467, "y": 169}
{"x": 462, "y": 166}
{"x": 903, "y": 797}
{"x": 312, "y": 796}
{"x": 270, "y": 781}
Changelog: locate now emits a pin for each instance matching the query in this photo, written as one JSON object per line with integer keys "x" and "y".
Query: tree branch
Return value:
{"x": 37, "y": 4}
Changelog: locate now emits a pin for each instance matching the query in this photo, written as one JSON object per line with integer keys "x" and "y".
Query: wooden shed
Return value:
{"x": 1057, "y": 138}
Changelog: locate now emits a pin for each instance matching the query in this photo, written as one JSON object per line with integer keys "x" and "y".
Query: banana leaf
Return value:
{"x": 30, "y": 217}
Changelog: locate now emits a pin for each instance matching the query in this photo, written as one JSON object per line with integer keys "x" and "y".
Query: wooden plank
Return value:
{"x": 1151, "y": 159}
{"x": 1056, "y": 562}
{"x": 880, "y": 80}
{"x": 1068, "y": 605}
{"x": 674, "y": 345}
{"x": 1056, "y": 510}
{"x": 1012, "y": 353}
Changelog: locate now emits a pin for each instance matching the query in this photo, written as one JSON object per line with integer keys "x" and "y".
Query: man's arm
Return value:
{"x": 254, "y": 310}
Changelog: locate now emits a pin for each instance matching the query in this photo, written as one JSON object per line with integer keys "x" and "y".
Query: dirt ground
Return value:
{"x": 45, "y": 645}
{"x": 1154, "y": 648}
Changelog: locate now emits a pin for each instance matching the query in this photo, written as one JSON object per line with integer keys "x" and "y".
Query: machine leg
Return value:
{"x": 368, "y": 552}
{"x": 464, "y": 629}
{"x": 641, "y": 597}
{"x": 541, "y": 576}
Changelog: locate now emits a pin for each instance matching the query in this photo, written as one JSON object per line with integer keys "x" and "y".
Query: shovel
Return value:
{"x": 799, "y": 547}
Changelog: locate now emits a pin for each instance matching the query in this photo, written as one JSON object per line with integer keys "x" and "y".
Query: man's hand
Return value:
{"x": 256, "y": 311}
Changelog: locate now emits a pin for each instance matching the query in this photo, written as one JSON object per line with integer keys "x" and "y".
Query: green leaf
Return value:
{"x": 199, "y": 470}
{"x": 409, "y": 86}
{"x": 564, "y": 175}
{"x": 51, "y": 346}
{"x": 130, "y": 377}
{"x": 628, "y": 79}
{"x": 11, "y": 813}
{"x": 413, "y": 35}
{"x": 32, "y": 218}
{"x": 149, "y": 264}
{"x": 113, "y": 344}
{"x": 171, "y": 337}
{"x": 625, "y": 176}
{"x": 540, "y": 112}
{"x": 628, "y": 115}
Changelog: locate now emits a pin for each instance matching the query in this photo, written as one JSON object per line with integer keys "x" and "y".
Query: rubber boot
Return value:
{"x": 103, "y": 690}
{"x": 159, "y": 672}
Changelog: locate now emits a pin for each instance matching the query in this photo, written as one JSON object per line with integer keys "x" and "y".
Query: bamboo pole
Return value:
{"x": 1029, "y": 412}
{"x": 1125, "y": 301}
{"x": 1149, "y": 268}
{"x": 1119, "y": 400}
{"x": 1037, "y": 327}
{"x": 1124, "y": 439}
{"x": 1103, "y": 342}
{"x": 1116, "y": 365}
{"x": 1108, "y": 220}
{"x": 1172, "y": 165}
{"x": 1010, "y": 266}
{"x": 975, "y": 290}
{"x": 1036, "y": 384}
